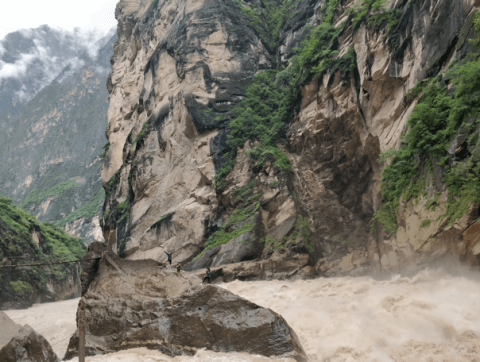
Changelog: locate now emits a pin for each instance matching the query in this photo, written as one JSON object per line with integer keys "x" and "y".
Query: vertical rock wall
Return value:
{"x": 179, "y": 70}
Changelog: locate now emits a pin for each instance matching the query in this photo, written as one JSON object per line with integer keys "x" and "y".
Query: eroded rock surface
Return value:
{"x": 176, "y": 80}
{"x": 141, "y": 303}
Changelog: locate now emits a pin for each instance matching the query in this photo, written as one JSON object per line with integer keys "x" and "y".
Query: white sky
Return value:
{"x": 88, "y": 15}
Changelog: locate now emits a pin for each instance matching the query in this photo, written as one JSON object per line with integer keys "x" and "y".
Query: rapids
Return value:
{"x": 433, "y": 316}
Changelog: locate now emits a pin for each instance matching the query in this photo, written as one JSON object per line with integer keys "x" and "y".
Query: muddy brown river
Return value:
{"x": 433, "y": 316}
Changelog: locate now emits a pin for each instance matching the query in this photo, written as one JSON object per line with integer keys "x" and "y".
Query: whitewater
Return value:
{"x": 432, "y": 316}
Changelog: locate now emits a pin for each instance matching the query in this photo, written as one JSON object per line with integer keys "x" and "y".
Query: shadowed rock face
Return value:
{"x": 27, "y": 345}
{"x": 141, "y": 304}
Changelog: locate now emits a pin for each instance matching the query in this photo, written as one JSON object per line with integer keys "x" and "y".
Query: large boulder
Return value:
{"x": 140, "y": 304}
{"x": 26, "y": 345}
{"x": 8, "y": 329}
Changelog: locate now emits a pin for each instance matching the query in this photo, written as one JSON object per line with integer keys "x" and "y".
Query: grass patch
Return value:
{"x": 35, "y": 197}
{"x": 425, "y": 223}
{"x": 106, "y": 147}
{"x": 145, "y": 129}
{"x": 239, "y": 222}
{"x": 122, "y": 210}
{"x": 86, "y": 210}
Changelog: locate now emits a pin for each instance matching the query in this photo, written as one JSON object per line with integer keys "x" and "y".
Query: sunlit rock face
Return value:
{"x": 50, "y": 147}
{"x": 171, "y": 69}
{"x": 181, "y": 68}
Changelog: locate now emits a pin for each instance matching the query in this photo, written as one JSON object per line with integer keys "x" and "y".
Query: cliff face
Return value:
{"x": 253, "y": 130}
{"x": 50, "y": 149}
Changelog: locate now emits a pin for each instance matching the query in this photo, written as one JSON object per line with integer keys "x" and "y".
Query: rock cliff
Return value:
{"x": 264, "y": 131}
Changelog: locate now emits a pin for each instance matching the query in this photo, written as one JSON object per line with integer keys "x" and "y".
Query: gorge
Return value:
{"x": 320, "y": 157}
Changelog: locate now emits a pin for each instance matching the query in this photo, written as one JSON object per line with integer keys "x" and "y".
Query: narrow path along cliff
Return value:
{"x": 432, "y": 316}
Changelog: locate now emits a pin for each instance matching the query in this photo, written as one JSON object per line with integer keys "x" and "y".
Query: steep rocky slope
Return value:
{"x": 254, "y": 130}
{"x": 50, "y": 149}
{"x": 24, "y": 240}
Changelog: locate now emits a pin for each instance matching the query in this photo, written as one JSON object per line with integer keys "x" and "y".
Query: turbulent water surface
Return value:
{"x": 433, "y": 316}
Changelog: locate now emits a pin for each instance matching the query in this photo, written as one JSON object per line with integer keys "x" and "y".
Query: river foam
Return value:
{"x": 433, "y": 316}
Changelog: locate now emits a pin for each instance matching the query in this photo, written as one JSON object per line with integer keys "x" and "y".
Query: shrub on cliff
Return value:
{"x": 440, "y": 118}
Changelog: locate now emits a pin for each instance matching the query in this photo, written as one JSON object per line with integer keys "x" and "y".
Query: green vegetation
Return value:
{"x": 301, "y": 227}
{"x": 378, "y": 13}
{"x": 16, "y": 240}
{"x": 113, "y": 178}
{"x": 35, "y": 197}
{"x": 386, "y": 216}
{"x": 438, "y": 117}
{"x": 160, "y": 220}
{"x": 274, "y": 244}
{"x": 268, "y": 18}
{"x": 266, "y": 109}
{"x": 21, "y": 287}
{"x": 55, "y": 241}
{"x": 145, "y": 129}
{"x": 240, "y": 221}
{"x": 87, "y": 210}
{"x": 122, "y": 210}
{"x": 342, "y": 240}
{"x": 118, "y": 214}
{"x": 425, "y": 223}
{"x": 105, "y": 150}
{"x": 262, "y": 116}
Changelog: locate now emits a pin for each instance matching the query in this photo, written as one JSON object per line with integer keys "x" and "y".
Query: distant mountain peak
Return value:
{"x": 30, "y": 59}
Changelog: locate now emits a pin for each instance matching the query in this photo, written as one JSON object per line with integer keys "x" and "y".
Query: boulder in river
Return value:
{"x": 8, "y": 329}
{"x": 25, "y": 345}
{"x": 141, "y": 304}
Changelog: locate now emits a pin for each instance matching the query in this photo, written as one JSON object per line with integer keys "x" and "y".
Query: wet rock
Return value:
{"x": 139, "y": 304}
{"x": 27, "y": 346}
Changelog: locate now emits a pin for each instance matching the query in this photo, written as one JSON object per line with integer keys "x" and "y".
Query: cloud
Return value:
{"x": 53, "y": 50}
{"x": 74, "y": 65}
{"x": 17, "y": 69}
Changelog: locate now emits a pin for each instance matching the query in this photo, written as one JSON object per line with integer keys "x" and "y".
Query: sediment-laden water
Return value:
{"x": 433, "y": 316}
